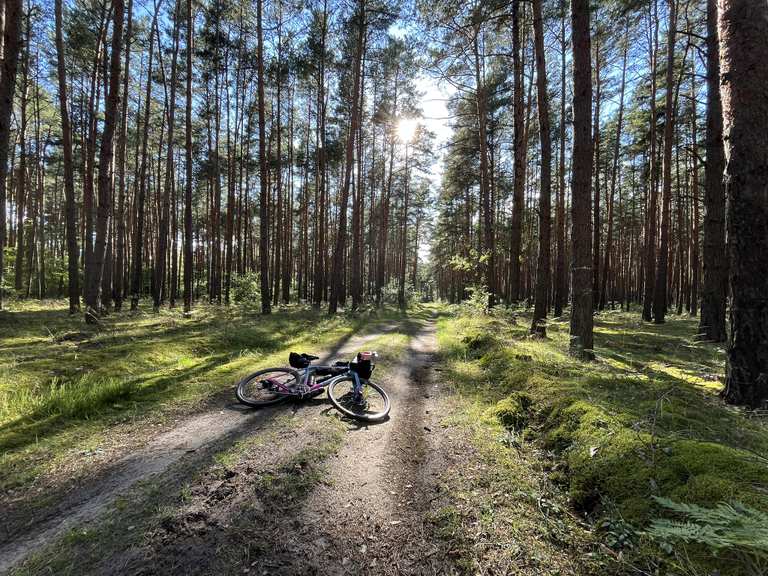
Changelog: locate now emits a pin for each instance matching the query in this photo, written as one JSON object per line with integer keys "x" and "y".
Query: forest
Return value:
{"x": 550, "y": 218}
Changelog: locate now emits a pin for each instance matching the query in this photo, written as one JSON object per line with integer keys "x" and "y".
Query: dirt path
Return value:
{"x": 194, "y": 440}
{"x": 371, "y": 516}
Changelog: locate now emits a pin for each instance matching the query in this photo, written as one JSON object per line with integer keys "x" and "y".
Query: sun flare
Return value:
{"x": 406, "y": 129}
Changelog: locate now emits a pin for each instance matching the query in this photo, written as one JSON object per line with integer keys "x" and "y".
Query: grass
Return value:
{"x": 64, "y": 386}
{"x": 499, "y": 513}
{"x": 270, "y": 477}
{"x": 644, "y": 420}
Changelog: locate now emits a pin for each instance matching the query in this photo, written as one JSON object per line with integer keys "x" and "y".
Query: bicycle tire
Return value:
{"x": 340, "y": 388}
{"x": 246, "y": 396}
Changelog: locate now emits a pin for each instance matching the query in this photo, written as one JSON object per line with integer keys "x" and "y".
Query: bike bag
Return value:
{"x": 297, "y": 360}
{"x": 364, "y": 368}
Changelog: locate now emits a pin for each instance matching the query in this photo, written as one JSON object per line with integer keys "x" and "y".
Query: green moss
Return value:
{"x": 642, "y": 421}
{"x": 512, "y": 411}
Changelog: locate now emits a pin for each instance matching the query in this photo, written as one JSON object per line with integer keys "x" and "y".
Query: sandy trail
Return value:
{"x": 196, "y": 438}
{"x": 372, "y": 515}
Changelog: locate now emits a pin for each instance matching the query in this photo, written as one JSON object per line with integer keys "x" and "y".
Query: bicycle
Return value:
{"x": 348, "y": 383}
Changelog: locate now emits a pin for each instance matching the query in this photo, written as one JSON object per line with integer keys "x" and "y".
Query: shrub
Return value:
{"x": 246, "y": 290}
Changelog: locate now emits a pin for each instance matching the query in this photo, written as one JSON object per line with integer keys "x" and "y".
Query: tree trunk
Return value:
{"x": 518, "y": 194}
{"x": 561, "y": 279}
{"x": 581, "y": 260}
{"x": 337, "y": 270}
{"x": 596, "y": 204}
{"x": 137, "y": 280}
{"x": 653, "y": 195}
{"x": 105, "y": 161}
{"x": 188, "y": 263}
{"x": 743, "y": 28}
{"x": 21, "y": 188}
{"x": 11, "y": 32}
{"x": 488, "y": 248}
{"x": 614, "y": 173}
{"x": 266, "y": 304}
{"x": 162, "y": 235}
{"x": 120, "y": 217}
{"x": 714, "y": 291}
{"x": 538, "y": 325}
{"x": 69, "y": 178}
{"x": 662, "y": 262}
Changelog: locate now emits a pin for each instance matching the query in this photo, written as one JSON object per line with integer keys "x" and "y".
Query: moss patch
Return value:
{"x": 642, "y": 421}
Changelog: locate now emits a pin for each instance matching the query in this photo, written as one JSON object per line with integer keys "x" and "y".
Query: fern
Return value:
{"x": 733, "y": 527}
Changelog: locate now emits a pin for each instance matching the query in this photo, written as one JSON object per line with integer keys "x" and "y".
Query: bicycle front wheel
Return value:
{"x": 267, "y": 387}
{"x": 371, "y": 406}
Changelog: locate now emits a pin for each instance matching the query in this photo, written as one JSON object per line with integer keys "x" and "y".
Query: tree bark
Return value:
{"x": 337, "y": 270}
{"x": 518, "y": 185}
{"x": 743, "y": 28}
{"x": 69, "y": 178}
{"x": 561, "y": 279}
{"x": 137, "y": 280}
{"x": 714, "y": 291}
{"x": 538, "y": 325}
{"x": 662, "y": 262}
{"x": 119, "y": 288}
{"x": 581, "y": 260}
{"x": 188, "y": 263}
{"x": 11, "y": 32}
{"x": 653, "y": 195}
{"x": 105, "y": 161}
{"x": 266, "y": 304}
{"x": 162, "y": 236}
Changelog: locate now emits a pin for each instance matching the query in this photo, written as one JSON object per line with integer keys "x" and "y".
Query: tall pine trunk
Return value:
{"x": 714, "y": 289}
{"x": 162, "y": 235}
{"x": 188, "y": 263}
{"x": 662, "y": 262}
{"x": 538, "y": 325}
{"x": 743, "y": 29}
{"x": 518, "y": 182}
{"x": 104, "y": 209}
{"x": 581, "y": 260}
{"x": 69, "y": 177}
{"x": 561, "y": 278}
{"x": 337, "y": 271}
{"x": 266, "y": 305}
{"x": 137, "y": 278}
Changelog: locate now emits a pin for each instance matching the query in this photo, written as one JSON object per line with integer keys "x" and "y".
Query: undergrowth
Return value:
{"x": 64, "y": 386}
{"x": 642, "y": 421}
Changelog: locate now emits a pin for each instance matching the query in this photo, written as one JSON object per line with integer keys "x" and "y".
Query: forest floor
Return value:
{"x": 123, "y": 450}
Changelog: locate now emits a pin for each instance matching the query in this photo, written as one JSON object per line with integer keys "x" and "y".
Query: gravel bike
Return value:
{"x": 348, "y": 383}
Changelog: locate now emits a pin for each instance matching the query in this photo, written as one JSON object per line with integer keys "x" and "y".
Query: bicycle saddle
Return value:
{"x": 310, "y": 357}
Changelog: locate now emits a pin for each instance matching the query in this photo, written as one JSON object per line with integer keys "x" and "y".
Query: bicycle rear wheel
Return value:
{"x": 373, "y": 406}
{"x": 267, "y": 387}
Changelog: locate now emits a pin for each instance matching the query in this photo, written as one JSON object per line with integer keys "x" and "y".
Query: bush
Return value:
{"x": 246, "y": 290}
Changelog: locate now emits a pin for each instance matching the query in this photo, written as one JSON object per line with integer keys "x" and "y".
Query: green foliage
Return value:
{"x": 81, "y": 397}
{"x": 478, "y": 299}
{"x": 726, "y": 526}
{"x": 62, "y": 384}
{"x": 643, "y": 421}
{"x": 246, "y": 290}
{"x": 726, "y": 529}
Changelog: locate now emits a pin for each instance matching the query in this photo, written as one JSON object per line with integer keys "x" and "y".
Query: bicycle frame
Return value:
{"x": 307, "y": 374}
